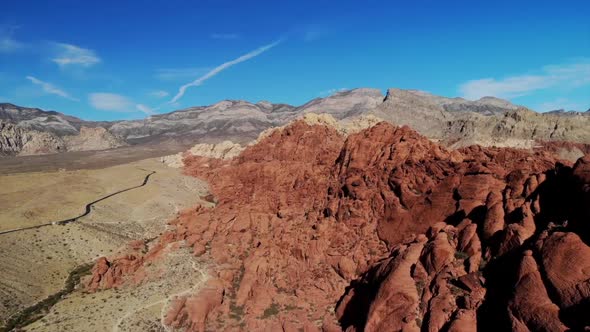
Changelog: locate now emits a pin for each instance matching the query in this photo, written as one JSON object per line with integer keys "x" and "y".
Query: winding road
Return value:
{"x": 87, "y": 212}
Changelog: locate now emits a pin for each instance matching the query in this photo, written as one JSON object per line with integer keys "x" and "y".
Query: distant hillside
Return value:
{"x": 452, "y": 121}
{"x": 31, "y": 131}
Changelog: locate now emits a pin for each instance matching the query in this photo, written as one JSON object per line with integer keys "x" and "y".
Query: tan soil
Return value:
{"x": 35, "y": 263}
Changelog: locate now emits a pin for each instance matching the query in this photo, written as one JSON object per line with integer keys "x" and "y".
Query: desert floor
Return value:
{"x": 35, "y": 263}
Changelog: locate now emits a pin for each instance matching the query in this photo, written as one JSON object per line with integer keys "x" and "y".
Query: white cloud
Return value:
{"x": 7, "y": 43}
{"x": 117, "y": 103}
{"x": 159, "y": 94}
{"x": 221, "y": 68}
{"x": 564, "y": 76}
{"x": 145, "y": 109}
{"x": 50, "y": 88}
{"x": 173, "y": 74}
{"x": 510, "y": 87}
{"x": 111, "y": 102}
{"x": 72, "y": 55}
{"x": 226, "y": 36}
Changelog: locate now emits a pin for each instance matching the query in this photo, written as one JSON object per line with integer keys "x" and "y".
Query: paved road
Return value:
{"x": 87, "y": 212}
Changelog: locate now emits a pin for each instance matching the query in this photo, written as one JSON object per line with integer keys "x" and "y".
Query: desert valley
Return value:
{"x": 355, "y": 212}
{"x": 294, "y": 166}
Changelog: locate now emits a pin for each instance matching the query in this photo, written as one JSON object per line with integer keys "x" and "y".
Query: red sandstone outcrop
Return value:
{"x": 424, "y": 283}
{"x": 109, "y": 274}
{"x": 382, "y": 230}
{"x": 531, "y": 308}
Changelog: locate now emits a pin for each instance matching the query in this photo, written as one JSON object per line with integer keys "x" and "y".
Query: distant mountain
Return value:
{"x": 564, "y": 112}
{"x": 31, "y": 131}
{"x": 240, "y": 121}
{"x": 452, "y": 121}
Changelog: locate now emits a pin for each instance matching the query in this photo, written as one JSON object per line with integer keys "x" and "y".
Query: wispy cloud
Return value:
{"x": 174, "y": 74}
{"x": 226, "y": 36}
{"x": 159, "y": 94}
{"x": 72, "y": 55}
{"x": 7, "y": 42}
{"x": 145, "y": 109}
{"x": 50, "y": 88}
{"x": 111, "y": 102}
{"x": 565, "y": 75}
{"x": 223, "y": 67}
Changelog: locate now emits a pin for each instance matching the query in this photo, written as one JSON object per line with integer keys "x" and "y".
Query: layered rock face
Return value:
{"x": 39, "y": 120}
{"x": 37, "y": 143}
{"x": 31, "y": 131}
{"x": 96, "y": 138}
{"x": 17, "y": 140}
{"x": 380, "y": 230}
{"x": 12, "y": 138}
{"x": 457, "y": 122}
{"x": 223, "y": 150}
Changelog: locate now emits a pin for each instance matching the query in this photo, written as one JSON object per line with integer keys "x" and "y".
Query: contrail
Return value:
{"x": 222, "y": 67}
{"x": 50, "y": 88}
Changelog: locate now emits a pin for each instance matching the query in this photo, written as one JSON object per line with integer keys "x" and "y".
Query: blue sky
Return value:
{"x": 125, "y": 59}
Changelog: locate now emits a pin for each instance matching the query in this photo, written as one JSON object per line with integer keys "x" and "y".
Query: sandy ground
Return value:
{"x": 35, "y": 263}
{"x": 90, "y": 159}
{"x": 140, "y": 307}
{"x": 28, "y": 199}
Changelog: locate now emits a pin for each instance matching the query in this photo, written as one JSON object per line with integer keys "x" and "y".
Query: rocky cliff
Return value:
{"x": 12, "y": 138}
{"x": 487, "y": 122}
{"x": 31, "y": 131}
{"x": 96, "y": 138}
{"x": 15, "y": 140}
{"x": 382, "y": 229}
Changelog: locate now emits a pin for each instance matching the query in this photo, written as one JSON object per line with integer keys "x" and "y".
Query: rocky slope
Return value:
{"x": 455, "y": 122}
{"x": 96, "y": 138}
{"x": 15, "y": 140}
{"x": 12, "y": 138}
{"x": 241, "y": 121}
{"x": 31, "y": 131}
{"x": 380, "y": 230}
{"x": 487, "y": 122}
{"x": 223, "y": 150}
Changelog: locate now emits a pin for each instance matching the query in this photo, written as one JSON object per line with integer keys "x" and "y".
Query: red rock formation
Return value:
{"x": 383, "y": 230}
{"x": 565, "y": 259}
{"x": 109, "y": 274}
{"x": 424, "y": 284}
{"x": 531, "y": 308}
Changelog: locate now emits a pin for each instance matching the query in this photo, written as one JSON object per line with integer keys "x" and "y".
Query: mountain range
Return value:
{"x": 454, "y": 122}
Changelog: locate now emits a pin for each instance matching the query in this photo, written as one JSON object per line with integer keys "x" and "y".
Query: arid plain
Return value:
{"x": 37, "y": 262}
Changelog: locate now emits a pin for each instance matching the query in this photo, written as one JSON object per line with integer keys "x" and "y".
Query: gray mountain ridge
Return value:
{"x": 452, "y": 121}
